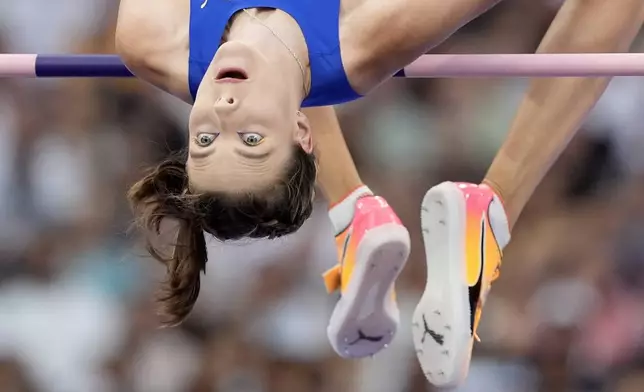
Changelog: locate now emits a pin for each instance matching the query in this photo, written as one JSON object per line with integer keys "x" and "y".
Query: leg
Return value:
{"x": 373, "y": 247}
{"x": 465, "y": 226}
{"x": 554, "y": 109}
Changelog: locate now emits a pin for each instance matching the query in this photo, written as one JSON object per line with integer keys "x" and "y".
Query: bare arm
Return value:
{"x": 152, "y": 40}
{"x": 554, "y": 109}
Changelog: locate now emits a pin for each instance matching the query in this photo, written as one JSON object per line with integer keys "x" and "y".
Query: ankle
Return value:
{"x": 341, "y": 213}
{"x": 498, "y": 191}
{"x": 501, "y": 196}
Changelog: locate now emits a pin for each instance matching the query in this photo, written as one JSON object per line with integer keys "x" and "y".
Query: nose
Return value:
{"x": 226, "y": 103}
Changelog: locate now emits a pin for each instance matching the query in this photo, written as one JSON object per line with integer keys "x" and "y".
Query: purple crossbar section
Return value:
{"x": 79, "y": 66}
{"x": 428, "y": 66}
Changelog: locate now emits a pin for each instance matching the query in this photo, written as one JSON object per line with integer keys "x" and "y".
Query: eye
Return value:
{"x": 251, "y": 138}
{"x": 205, "y": 139}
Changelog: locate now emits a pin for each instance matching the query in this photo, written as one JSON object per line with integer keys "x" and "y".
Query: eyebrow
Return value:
{"x": 253, "y": 155}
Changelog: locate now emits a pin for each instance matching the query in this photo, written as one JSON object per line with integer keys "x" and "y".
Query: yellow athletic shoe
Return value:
{"x": 464, "y": 229}
{"x": 372, "y": 251}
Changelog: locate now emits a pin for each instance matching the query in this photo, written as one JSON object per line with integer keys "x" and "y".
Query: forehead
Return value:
{"x": 226, "y": 170}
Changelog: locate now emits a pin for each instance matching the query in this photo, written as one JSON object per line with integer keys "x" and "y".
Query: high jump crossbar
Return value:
{"x": 427, "y": 66}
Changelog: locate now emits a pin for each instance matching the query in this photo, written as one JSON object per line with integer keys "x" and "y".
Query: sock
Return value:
{"x": 341, "y": 213}
{"x": 498, "y": 219}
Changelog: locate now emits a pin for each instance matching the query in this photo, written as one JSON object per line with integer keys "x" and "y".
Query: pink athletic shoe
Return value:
{"x": 465, "y": 229}
{"x": 372, "y": 251}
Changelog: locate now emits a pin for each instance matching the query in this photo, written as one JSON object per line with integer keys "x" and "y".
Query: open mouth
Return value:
{"x": 231, "y": 74}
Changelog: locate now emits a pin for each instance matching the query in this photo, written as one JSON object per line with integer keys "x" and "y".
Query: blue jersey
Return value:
{"x": 319, "y": 21}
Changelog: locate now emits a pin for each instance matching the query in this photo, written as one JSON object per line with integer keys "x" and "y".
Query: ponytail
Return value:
{"x": 162, "y": 194}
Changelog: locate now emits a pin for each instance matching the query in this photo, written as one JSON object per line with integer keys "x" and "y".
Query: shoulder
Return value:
{"x": 149, "y": 27}
{"x": 152, "y": 40}
{"x": 366, "y": 31}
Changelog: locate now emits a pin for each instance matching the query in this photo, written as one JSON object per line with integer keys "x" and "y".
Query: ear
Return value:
{"x": 303, "y": 135}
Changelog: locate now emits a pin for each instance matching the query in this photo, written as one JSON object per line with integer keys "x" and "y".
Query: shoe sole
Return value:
{"x": 441, "y": 321}
{"x": 367, "y": 307}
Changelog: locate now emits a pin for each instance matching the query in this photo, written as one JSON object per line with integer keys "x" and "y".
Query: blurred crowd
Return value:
{"x": 76, "y": 290}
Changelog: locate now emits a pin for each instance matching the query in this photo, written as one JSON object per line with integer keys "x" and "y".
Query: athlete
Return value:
{"x": 170, "y": 44}
{"x": 249, "y": 67}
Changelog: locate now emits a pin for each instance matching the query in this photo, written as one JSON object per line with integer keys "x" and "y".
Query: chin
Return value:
{"x": 236, "y": 54}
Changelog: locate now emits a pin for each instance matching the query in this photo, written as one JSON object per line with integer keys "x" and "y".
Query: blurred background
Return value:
{"x": 75, "y": 292}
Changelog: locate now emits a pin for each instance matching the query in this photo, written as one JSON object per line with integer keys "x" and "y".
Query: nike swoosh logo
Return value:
{"x": 475, "y": 290}
{"x": 203, "y": 5}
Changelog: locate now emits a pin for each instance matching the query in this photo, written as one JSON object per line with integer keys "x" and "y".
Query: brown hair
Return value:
{"x": 164, "y": 192}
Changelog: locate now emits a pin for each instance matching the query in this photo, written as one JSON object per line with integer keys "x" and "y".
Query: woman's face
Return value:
{"x": 243, "y": 124}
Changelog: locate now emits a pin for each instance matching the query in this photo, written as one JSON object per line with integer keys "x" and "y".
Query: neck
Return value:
{"x": 275, "y": 34}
